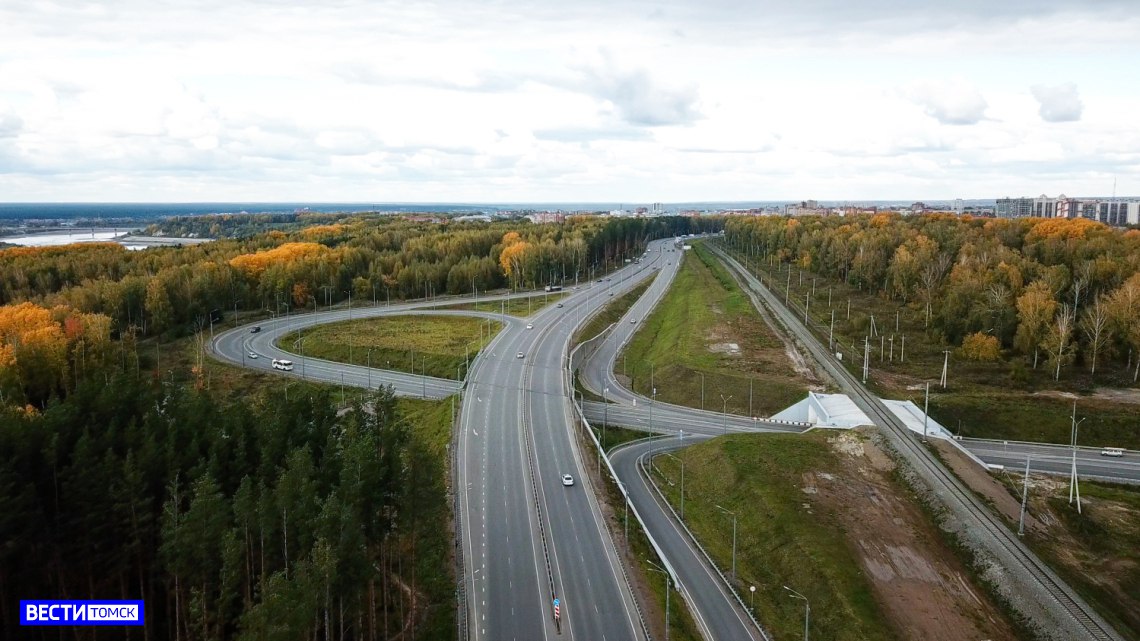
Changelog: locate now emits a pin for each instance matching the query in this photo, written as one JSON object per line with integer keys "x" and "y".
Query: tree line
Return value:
{"x": 129, "y": 295}
{"x": 1051, "y": 291}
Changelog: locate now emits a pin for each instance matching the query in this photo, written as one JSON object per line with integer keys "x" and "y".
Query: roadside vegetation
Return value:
{"x": 705, "y": 329}
{"x": 1034, "y": 313}
{"x": 436, "y": 345}
{"x": 522, "y": 306}
{"x": 823, "y": 514}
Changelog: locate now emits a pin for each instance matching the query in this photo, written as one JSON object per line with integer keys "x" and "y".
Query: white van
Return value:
{"x": 1112, "y": 451}
{"x": 283, "y": 364}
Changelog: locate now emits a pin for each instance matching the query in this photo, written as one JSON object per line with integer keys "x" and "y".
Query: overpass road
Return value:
{"x": 1046, "y": 458}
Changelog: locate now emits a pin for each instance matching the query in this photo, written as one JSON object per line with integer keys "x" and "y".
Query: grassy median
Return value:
{"x": 435, "y": 345}
{"x": 612, "y": 312}
{"x": 705, "y": 329}
{"x": 825, "y": 515}
{"x": 520, "y": 306}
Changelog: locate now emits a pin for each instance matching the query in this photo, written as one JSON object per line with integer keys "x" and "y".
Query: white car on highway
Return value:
{"x": 567, "y": 480}
{"x": 252, "y": 354}
{"x": 519, "y": 355}
{"x": 529, "y": 326}
{"x": 1112, "y": 451}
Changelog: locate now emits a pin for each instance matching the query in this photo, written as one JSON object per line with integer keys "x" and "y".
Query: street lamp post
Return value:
{"x": 682, "y": 482}
{"x": 653, "y": 401}
{"x": 368, "y": 366}
{"x": 668, "y": 589}
{"x": 807, "y": 610}
{"x": 605, "y": 420}
{"x": 724, "y": 411}
{"x": 702, "y": 390}
{"x": 728, "y": 511}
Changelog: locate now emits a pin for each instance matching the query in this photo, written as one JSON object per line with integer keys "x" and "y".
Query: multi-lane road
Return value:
{"x": 526, "y": 538}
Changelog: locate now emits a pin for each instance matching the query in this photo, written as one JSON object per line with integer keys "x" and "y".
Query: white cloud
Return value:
{"x": 950, "y": 103}
{"x": 1058, "y": 104}
{"x": 638, "y": 96}
{"x": 596, "y": 100}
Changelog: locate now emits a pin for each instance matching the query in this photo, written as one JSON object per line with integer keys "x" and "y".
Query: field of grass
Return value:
{"x": 1022, "y": 417}
{"x": 522, "y": 306}
{"x": 439, "y": 344}
{"x": 778, "y": 542}
{"x": 688, "y": 339}
{"x": 992, "y": 400}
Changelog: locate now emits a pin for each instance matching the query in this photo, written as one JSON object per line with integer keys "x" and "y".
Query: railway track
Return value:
{"x": 1003, "y": 542}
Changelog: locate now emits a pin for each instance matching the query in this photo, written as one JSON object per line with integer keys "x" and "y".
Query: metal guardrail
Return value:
{"x": 693, "y": 538}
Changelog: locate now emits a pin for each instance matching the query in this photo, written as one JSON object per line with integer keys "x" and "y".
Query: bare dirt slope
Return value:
{"x": 924, "y": 590}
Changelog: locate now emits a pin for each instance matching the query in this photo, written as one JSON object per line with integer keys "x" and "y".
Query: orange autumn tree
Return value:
{"x": 35, "y": 346}
{"x": 255, "y": 264}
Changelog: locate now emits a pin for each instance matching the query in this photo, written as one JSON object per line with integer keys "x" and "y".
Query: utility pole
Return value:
{"x": 902, "y": 354}
{"x": 831, "y": 332}
{"x": 892, "y": 356}
{"x": 1074, "y": 485}
{"x": 866, "y": 357}
{"x": 788, "y": 287}
{"x": 925, "y": 412}
{"x": 945, "y": 367}
{"x": 1024, "y": 499}
{"x": 724, "y": 411}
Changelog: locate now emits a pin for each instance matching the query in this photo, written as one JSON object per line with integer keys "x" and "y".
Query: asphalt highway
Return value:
{"x": 716, "y": 612}
{"x": 526, "y": 538}
{"x": 1057, "y": 459}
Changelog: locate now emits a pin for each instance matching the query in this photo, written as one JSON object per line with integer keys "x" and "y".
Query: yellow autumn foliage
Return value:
{"x": 255, "y": 264}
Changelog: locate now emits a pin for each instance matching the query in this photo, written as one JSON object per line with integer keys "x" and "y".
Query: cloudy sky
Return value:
{"x": 592, "y": 100}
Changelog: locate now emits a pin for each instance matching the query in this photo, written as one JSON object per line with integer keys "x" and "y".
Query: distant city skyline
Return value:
{"x": 463, "y": 101}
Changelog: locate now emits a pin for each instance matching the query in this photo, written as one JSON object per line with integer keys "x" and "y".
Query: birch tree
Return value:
{"x": 1058, "y": 343}
{"x": 1094, "y": 322}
